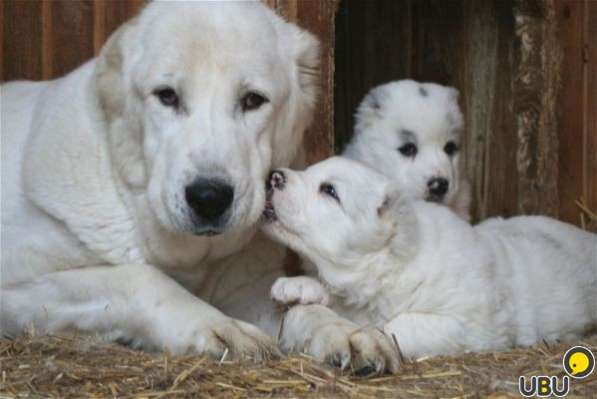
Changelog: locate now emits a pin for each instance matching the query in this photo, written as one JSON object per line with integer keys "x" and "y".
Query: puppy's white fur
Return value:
{"x": 425, "y": 115}
{"x": 421, "y": 273}
{"x": 95, "y": 227}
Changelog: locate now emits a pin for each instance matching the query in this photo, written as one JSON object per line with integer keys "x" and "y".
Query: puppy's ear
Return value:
{"x": 393, "y": 201}
{"x": 453, "y": 94}
{"x": 454, "y": 115}
{"x": 370, "y": 109}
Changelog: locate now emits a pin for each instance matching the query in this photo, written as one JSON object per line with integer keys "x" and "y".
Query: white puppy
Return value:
{"x": 411, "y": 132}
{"x": 125, "y": 180}
{"x": 421, "y": 273}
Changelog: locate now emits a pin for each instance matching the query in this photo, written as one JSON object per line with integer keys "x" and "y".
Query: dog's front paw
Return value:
{"x": 203, "y": 330}
{"x": 302, "y": 290}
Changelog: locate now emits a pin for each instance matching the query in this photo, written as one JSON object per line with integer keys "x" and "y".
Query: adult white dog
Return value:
{"x": 411, "y": 132}
{"x": 422, "y": 274}
{"x": 125, "y": 179}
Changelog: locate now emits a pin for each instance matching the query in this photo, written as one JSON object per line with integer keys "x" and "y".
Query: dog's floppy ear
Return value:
{"x": 113, "y": 87}
{"x": 453, "y": 94}
{"x": 306, "y": 56}
{"x": 392, "y": 202}
{"x": 109, "y": 73}
{"x": 303, "y": 51}
{"x": 454, "y": 116}
{"x": 369, "y": 109}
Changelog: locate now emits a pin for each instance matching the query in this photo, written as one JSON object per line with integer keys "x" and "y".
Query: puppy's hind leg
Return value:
{"x": 425, "y": 334}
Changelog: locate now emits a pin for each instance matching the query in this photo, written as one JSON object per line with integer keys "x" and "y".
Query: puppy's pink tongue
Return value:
{"x": 269, "y": 212}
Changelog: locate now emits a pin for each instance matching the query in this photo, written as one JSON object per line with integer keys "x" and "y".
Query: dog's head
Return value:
{"x": 337, "y": 212}
{"x": 202, "y": 99}
{"x": 411, "y": 132}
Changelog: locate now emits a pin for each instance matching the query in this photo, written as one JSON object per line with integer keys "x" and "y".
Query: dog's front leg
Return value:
{"x": 135, "y": 303}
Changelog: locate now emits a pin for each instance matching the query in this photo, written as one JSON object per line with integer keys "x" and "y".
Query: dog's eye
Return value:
{"x": 408, "y": 150}
{"x": 252, "y": 100}
{"x": 450, "y": 148}
{"x": 167, "y": 96}
{"x": 330, "y": 190}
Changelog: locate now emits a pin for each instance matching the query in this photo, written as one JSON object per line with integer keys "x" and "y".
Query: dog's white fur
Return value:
{"x": 96, "y": 234}
{"x": 421, "y": 273}
{"x": 426, "y": 115}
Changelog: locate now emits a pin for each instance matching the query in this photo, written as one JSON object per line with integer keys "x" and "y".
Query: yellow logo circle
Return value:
{"x": 579, "y": 362}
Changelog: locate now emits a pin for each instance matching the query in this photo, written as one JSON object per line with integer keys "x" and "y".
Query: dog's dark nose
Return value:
{"x": 438, "y": 186}
{"x": 209, "y": 198}
{"x": 277, "y": 179}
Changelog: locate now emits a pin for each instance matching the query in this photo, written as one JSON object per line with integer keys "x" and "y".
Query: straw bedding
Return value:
{"x": 75, "y": 367}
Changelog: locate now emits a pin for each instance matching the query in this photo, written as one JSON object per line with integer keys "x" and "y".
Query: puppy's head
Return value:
{"x": 337, "y": 212}
{"x": 202, "y": 99}
{"x": 410, "y": 132}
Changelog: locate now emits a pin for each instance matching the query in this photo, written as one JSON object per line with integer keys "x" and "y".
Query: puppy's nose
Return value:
{"x": 438, "y": 186}
{"x": 277, "y": 179}
{"x": 209, "y": 198}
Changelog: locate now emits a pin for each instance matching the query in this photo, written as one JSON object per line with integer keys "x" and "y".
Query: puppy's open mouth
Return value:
{"x": 269, "y": 213}
{"x": 435, "y": 198}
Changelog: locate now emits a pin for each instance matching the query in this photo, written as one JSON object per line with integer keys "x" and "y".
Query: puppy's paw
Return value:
{"x": 364, "y": 351}
{"x": 302, "y": 290}
{"x": 321, "y": 333}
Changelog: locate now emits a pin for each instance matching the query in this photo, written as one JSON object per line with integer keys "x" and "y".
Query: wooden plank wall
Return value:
{"x": 46, "y": 39}
{"x": 526, "y": 71}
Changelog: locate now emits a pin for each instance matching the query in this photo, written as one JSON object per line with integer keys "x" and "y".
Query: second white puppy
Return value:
{"x": 424, "y": 275}
{"x": 411, "y": 132}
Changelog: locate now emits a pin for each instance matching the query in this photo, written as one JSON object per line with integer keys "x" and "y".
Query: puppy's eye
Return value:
{"x": 408, "y": 150}
{"x": 330, "y": 190}
{"x": 167, "y": 96}
{"x": 451, "y": 148}
{"x": 251, "y": 101}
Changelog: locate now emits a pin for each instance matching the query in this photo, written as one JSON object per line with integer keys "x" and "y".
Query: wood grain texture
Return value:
{"x": 369, "y": 51}
{"x": 318, "y": 18}
{"x": 535, "y": 92}
{"x": 590, "y": 108}
{"x": 570, "y": 17}
{"x": 1, "y": 41}
{"x": 496, "y": 180}
{"x": 21, "y": 40}
{"x": 478, "y": 96}
{"x": 71, "y": 35}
